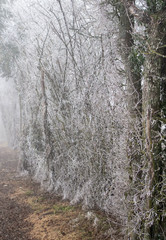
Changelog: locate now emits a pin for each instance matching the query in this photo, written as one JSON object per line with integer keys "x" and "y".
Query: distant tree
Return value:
{"x": 8, "y": 95}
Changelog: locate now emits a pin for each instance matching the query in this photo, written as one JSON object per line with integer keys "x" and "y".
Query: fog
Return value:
{"x": 9, "y": 121}
{"x": 2, "y": 131}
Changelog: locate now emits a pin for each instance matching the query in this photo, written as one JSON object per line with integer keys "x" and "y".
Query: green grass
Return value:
{"x": 62, "y": 208}
{"x": 29, "y": 193}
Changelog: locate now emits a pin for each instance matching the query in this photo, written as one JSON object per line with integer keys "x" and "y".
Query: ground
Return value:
{"x": 27, "y": 212}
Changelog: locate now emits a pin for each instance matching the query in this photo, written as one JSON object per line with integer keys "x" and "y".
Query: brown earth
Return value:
{"x": 28, "y": 213}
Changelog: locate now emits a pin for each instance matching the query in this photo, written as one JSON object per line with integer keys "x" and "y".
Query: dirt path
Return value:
{"x": 13, "y": 224}
{"x": 28, "y": 213}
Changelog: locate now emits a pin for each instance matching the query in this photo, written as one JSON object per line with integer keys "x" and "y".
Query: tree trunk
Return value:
{"x": 154, "y": 78}
{"x": 134, "y": 104}
{"x": 46, "y": 127}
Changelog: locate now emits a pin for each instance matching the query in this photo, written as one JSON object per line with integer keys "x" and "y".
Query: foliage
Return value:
{"x": 137, "y": 60}
{"x": 156, "y": 5}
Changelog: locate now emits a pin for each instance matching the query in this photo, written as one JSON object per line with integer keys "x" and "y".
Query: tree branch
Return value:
{"x": 141, "y": 15}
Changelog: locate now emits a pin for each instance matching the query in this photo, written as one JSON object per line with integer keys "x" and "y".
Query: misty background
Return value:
{"x": 2, "y": 130}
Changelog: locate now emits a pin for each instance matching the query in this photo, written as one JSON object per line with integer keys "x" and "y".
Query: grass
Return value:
{"x": 66, "y": 221}
{"x": 29, "y": 193}
{"x": 63, "y": 208}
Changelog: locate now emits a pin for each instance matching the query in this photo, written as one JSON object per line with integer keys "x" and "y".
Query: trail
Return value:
{"x": 13, "y": 224}
{"x": 26, "y": 212}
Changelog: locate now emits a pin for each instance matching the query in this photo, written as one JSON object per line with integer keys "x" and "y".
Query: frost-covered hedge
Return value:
{"x": 72, "y": 114}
